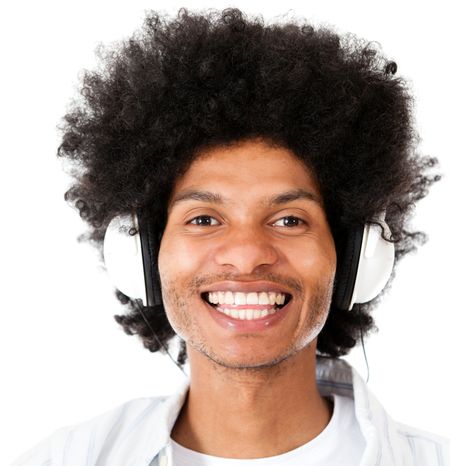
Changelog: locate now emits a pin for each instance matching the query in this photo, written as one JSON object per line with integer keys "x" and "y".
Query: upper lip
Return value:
{"x": 245, "y": 287}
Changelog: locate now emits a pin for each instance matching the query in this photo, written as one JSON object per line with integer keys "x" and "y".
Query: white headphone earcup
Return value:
{"x": 123, "y": 257}
{"x": 376, "y": 261}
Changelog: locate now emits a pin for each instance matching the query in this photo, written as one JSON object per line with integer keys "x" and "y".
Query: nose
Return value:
{"x": 246, "y": 249}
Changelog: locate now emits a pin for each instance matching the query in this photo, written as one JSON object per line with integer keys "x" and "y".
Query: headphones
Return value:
{"x": 131, "y": 261}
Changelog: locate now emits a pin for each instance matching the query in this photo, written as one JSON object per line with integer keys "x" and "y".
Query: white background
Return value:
{"x": 63, "y": 357}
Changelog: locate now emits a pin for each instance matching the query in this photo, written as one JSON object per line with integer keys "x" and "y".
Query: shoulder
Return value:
{"x": 425, "y": 447}
{"x": 81, "y": 439}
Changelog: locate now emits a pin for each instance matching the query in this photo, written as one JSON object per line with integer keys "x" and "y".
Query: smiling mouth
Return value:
{"x": 251, "y": 308}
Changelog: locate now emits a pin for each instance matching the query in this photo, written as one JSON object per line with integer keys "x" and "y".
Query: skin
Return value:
{"x": 252, "y": 395}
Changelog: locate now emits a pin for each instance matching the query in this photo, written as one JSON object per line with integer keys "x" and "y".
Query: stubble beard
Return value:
{"x": 180, "y": 318}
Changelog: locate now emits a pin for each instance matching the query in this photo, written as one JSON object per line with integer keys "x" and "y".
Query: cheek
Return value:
{"x": 175, "y": 306}
{"x": 320, "y": 269}
{"x": 178, "y": 266}
{"x": 183, "y": 256}
{"x": 315, "y": 262}
{"x": 173, "y": 256}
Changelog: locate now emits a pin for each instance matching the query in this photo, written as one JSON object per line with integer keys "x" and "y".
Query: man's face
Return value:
{"x": 247, "y": 245}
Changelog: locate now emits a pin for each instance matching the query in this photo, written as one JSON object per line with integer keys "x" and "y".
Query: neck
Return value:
{"x": 251, "y": 413}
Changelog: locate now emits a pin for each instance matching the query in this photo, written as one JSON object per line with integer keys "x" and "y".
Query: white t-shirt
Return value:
{"x": 341, "y": 444}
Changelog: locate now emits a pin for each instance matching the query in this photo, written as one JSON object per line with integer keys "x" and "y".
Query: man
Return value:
{"x": 247, "y": 157}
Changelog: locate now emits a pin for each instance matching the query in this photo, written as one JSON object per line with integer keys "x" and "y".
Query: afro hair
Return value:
{"x": 206, "y": 79}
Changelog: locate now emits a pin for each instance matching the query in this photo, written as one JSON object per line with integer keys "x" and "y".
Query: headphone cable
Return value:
{"x": 141, "y": 310}
{"x": 364, "y": 351}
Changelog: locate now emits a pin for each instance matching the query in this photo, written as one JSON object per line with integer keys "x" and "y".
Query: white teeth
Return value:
{"x": 252, "y": 298}
{"x": 247, "y": 314}
{"x": 239, "y": 298}
{"x": 229, "y": 298}
{"x": 280, "y": 298}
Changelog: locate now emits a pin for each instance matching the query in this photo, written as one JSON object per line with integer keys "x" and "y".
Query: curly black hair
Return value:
{"x": 184, "y": 84}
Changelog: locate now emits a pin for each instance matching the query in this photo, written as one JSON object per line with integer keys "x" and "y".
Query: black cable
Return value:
{"x": 141, "y": 310}
{"x": 364, "y": 350}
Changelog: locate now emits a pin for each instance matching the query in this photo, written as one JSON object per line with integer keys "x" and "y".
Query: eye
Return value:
{"x": 294, "y": 221}
{"x": 202, "y": 218}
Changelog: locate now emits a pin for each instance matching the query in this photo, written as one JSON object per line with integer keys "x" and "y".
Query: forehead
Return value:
{"x": 247, "y": 169}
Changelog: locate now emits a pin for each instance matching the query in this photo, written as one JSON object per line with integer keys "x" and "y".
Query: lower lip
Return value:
{"x": 255, "y": 325}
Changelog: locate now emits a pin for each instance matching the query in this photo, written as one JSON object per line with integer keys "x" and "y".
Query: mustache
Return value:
{"x": 205, "y": 280}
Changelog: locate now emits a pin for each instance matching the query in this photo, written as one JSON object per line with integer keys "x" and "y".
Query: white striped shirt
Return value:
{"x": 137, "y": 433}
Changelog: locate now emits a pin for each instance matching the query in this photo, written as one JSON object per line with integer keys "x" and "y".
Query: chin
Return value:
{"x": 240, "y": 361}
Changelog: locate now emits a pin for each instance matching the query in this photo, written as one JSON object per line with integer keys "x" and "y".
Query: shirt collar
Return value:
{"x": 333, "y": 375}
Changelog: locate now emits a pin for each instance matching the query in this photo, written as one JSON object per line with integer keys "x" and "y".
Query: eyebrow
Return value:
{"x": 278, "y": 199}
